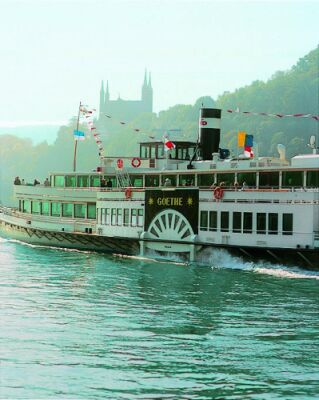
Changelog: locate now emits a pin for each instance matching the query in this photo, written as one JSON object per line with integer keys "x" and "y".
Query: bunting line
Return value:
{"x": 278, "y": 115}
{"x": 88, "y": 113}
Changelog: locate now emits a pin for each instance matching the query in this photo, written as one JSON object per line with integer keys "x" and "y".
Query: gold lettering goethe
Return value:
{"x": 170, "y": 201}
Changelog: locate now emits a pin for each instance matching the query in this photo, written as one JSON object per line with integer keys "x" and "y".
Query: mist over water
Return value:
{"x": 80, "y": 325}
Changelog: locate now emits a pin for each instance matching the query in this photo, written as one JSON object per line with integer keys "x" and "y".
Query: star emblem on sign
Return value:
{"x": 190, "y": 201}
{"x": 150, "y": 201}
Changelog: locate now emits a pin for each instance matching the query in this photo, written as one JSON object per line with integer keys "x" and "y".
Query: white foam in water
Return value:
{"x": 283, "y": 273}
{"x": 39, "y": 246}
{"x": 220, "y": 258}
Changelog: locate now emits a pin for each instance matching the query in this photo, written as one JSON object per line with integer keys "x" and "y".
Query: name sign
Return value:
{"x": 184, "y": 201}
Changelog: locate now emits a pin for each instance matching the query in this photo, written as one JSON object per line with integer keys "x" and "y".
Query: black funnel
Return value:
{"x": 209, "y": 131}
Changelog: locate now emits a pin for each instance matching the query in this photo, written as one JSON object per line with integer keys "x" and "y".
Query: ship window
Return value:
{"x": 248, "y": 222}
{"x": 186, "y": 180}
{"x": 140, "y": 217}
{"x": 292, "y": 178}
{"x": 27, "y": 206}
{"x": 95, "y": 181}
{"x": 313, "y": 178}
{"x": 151, "y": 180}
{"x": 224, "y": 221}
{"x": 249, "y": 178}
{"x": 119, "y": 216}
{"x": 261, "y": 223}
{"x": 153, "y": 151}
{"x": 92, "y": 210}
{"x": 228, "y": 179}
{"x": 70, "y": 181}
{"x": 144, "y": 151}
{"x": 213, "y": 221}
{"x": 79, "y": 210}
{"x": 107, "y": 216}
{"x": 83, "y": 181}
{"x": 287, "y": 224}
{"x": 133, "y": 217}
{"x": 272, "y": 224}
{"x": 67, "y": 209}
{"x": 58, "y": 180}
{"x": 55, "y": 209}
{"x": 205, "y": 180}
{"x": 237, "y": 222}
{"x": 36, "y": 207}
{"x": 113, "y": 216}
{"x": 45, "y": 208}
{"x": 126, "y": 216}
{"x": 160, "y": 151}
{"x": 102, "y": 220}
{"x": 172, "y": 179}
{"x": 136, "y": 180}
{"x": 268, "y": 179}
{"x": 203, "y": 220}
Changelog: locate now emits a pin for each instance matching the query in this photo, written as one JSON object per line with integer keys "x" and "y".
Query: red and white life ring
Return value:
{"x": 218, "y": 193}
{"x": 119, "y": 163}
{"x": 128, "y": 193}
{"x": 136, "y": 162}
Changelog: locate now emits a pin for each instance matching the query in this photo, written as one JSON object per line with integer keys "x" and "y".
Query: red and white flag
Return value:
{"x": 168, "y": 145}
{"x": 248, "y": 152}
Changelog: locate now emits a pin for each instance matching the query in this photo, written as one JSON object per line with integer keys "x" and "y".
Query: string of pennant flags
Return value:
{"x": 278, "y": 115}
{"x": 86, "y": 115}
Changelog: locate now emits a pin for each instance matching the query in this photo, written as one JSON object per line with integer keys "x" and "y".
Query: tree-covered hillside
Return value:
{"x": 292, "y": 91}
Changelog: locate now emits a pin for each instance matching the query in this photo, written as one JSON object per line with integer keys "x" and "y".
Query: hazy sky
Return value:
{"x": 55, "y": 53}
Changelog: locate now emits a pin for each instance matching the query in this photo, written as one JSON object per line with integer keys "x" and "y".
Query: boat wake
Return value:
{"x": 220, "y": 258}
{"x": 216, "y": 259}
{"x": 39, "y": 246}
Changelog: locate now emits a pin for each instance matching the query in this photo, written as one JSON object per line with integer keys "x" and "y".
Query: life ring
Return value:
{"x": 128, "y": 193}
{"x": 136, "y": 162}
{"x": 119, "y": 163}
{"x": 218, "y": 193}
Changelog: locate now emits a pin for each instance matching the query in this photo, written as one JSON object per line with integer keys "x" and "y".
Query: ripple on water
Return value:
{"x": 84, "y": 325}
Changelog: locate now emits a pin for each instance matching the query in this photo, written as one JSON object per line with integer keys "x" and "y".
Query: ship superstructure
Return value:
{"x": 189, "y": 200}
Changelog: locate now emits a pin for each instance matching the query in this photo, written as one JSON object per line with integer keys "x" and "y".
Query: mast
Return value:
{"x": 76, "y": 141}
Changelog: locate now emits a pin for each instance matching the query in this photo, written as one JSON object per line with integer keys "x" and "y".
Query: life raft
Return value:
{"x": 218, "y": 193}
{"x": 136, "y": 162}
{"x": 119, "y": 163}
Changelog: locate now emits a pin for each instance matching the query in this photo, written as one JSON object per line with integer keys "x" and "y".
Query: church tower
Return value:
{"x": 147, "y": 93}
{"x": 102, "y": 101}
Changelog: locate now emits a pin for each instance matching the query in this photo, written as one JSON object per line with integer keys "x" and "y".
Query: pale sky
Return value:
{"x": 55, "y": 53}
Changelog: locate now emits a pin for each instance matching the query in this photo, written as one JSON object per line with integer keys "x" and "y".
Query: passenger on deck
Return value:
{"x": 46, "y": 182}
{"x": 36, "y": 182}
{"x": 167, "y": 182}
{"x": 214, "y": 185}
{"x": 109, "y": 183}
{"x": 103, "y": 182}
{"x": 17, "y": 181}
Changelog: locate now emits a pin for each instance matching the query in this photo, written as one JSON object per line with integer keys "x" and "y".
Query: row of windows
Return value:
{"x": 121, "y": 216}
{"x": 242, "y": 222}
{"x": 56, "y": 209}
{"x": 252, "y": 179}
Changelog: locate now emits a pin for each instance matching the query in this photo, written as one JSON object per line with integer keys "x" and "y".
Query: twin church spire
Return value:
{"x": 145, "y": 104}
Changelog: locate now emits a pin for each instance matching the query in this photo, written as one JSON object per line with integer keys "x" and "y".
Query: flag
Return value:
{"x": 78, "y": 135}
{"x": 248, "y": 152}
{"x": 249, "y": 140}
{"x": 241, "y": 138}
{"x": 168, "y": 145}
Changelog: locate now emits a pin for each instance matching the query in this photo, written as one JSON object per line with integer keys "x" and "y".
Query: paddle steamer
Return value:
{"x": 188, "y": 201}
